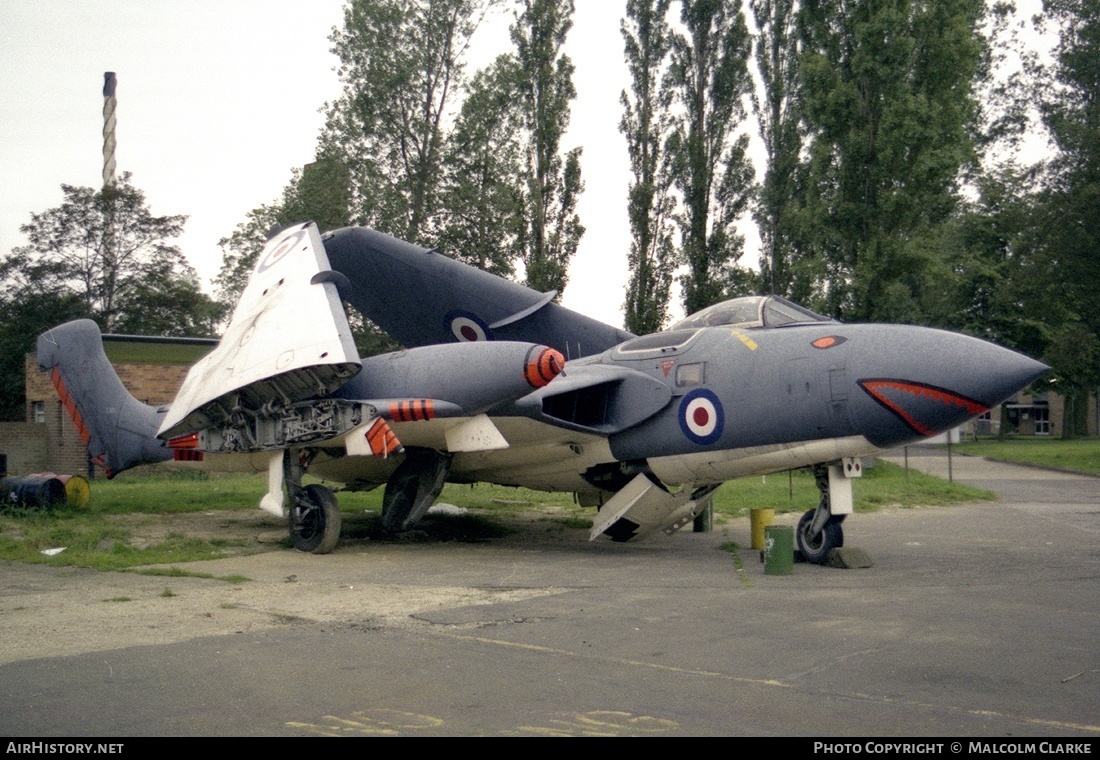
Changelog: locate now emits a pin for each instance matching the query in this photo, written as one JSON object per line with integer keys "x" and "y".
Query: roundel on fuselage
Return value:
{"x": 701, "y": 417}
{"x": 467, "y": 327}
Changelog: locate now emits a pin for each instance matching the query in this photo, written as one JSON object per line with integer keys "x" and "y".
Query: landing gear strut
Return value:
{"x": 819, "y": 531}
{"x": 314, "y": 514}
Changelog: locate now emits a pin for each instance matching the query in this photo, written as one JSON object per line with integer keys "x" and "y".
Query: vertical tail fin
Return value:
{"x": 119, "y": 431}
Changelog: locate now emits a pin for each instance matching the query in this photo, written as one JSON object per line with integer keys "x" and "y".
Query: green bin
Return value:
{"x": 778, "y": 550}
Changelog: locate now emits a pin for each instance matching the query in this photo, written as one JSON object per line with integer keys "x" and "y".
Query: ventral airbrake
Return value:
{"x": 499, "y": 384}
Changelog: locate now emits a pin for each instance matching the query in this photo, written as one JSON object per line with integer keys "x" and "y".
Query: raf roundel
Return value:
{"x": 467, "y": 328}
{"x": 701, "y": 417}
{"x": 276, "y": 255}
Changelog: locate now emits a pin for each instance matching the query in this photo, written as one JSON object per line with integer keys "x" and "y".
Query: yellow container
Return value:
{"x": 760, "y": 519}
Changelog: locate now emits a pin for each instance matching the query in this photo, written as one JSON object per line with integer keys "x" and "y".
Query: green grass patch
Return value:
{"x": 883, "y": 485}
{"x": 88, "y": 539}
{"x": 1080, "y": 455}
{"x": 176, "y": 491}
{"x": 94, "y": 538}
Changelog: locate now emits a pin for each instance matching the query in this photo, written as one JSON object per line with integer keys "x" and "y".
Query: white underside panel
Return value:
{"x": 709, "y": 467}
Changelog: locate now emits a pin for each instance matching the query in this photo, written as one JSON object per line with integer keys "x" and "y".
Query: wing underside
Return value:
{"x": 288, "y": 339}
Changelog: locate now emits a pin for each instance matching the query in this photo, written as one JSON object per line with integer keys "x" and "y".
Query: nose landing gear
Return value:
{"x": 819, "y": 531}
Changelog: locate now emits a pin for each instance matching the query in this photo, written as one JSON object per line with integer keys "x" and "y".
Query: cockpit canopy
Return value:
{"x": 750, "y": 311}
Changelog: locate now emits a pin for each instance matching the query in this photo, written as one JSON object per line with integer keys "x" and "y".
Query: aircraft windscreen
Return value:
{"x": 779, "y": 311}
{"x": 750, "y": 311}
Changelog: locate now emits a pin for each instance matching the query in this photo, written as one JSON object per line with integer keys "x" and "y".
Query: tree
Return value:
{"x": 892, "y": 118}
{"x": 23, "y": 317}
{"x": 709, "y": 162}
{"x": 1070, "y": 200}
{"x": 645, "y": 123}
{"x": 319, "y": 192}
{"x": 551, "y": 183}
{"x": 481, "y": 222}
{"x": 103, "y": 255}
{"x": 401, "y": 64}
{"x": 779, "y": 113}
{"x": 106, "y": 247}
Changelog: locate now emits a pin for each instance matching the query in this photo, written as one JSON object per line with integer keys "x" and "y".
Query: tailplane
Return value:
{"x": 119, "y": 431}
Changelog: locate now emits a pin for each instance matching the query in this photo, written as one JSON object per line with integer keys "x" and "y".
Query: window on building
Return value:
{"x": 1042, "y": 419}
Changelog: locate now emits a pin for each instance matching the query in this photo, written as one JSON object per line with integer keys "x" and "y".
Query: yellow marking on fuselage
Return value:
{"x": 745, "y": 339}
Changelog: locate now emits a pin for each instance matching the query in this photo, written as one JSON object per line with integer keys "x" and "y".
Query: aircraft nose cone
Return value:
{"x": 929, "y": 381}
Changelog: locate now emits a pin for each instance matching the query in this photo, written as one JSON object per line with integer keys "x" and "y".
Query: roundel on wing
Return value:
{"x": 276, "y": 254}
{"x": 467, "y": 327}
{"x": 701, "y": 417}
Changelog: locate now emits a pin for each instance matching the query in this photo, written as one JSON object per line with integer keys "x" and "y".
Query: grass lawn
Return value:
{"x": 1081, "y": 454}
{"x": 112, "y": 532}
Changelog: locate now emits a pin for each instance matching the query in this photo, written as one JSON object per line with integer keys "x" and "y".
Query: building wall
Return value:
{"x": 23, "y": 447}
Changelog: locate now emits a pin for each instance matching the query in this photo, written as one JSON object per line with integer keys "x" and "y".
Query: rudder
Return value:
{"x": 119, "y": 431}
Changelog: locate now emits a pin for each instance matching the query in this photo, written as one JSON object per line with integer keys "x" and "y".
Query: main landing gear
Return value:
{"x": 313, "y": 516}
{"x": 314, "y": 520}
{"x": 819, "y": 531}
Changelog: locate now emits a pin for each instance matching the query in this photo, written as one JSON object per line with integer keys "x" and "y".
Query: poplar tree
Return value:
{"x": 401, "y": 62}
{"x": 1069, "y": 203}
{"x": 778, "y": 111}
{"x": 481, "y": 214}
{"x": 551, "y": 181}
{"x": 645, "y": 123}
{"x": 710, "y": 79}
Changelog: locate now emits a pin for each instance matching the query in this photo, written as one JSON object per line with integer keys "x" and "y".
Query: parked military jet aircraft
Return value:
{"x": 500, "y": 384}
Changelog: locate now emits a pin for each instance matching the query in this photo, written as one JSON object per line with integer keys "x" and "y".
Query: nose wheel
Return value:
{"x": 815, "y": 545}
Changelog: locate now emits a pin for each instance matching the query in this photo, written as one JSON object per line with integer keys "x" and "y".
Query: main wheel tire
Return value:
{"x": 315, "y": 527}
{"x": 816, "y": 550}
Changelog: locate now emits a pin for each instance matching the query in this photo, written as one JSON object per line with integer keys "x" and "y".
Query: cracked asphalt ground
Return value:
{"x": 974, "y": 620}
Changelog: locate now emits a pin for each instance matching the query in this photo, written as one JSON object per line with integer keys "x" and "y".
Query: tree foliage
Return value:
{"x": 319, "y": 192}
{"x": 1069, "y": 202}
{"x": 889, "y": 101}
{"x": 106, "y": 247}
{"x": 103, "y": 255}
{"x": 401, "y": 63}
{"x": 551, "y": 182}
{"x": 710, "y": 79}
{"x": 778, "y": 109}
{"x": 646, "y": 121}
{"x": 481, "y": 214}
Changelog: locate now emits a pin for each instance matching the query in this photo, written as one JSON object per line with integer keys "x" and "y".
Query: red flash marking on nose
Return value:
{"x": 879, "y": 389}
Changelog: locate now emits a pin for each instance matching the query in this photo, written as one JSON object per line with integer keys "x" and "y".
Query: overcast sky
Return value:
{"x": 218, "y": 101}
